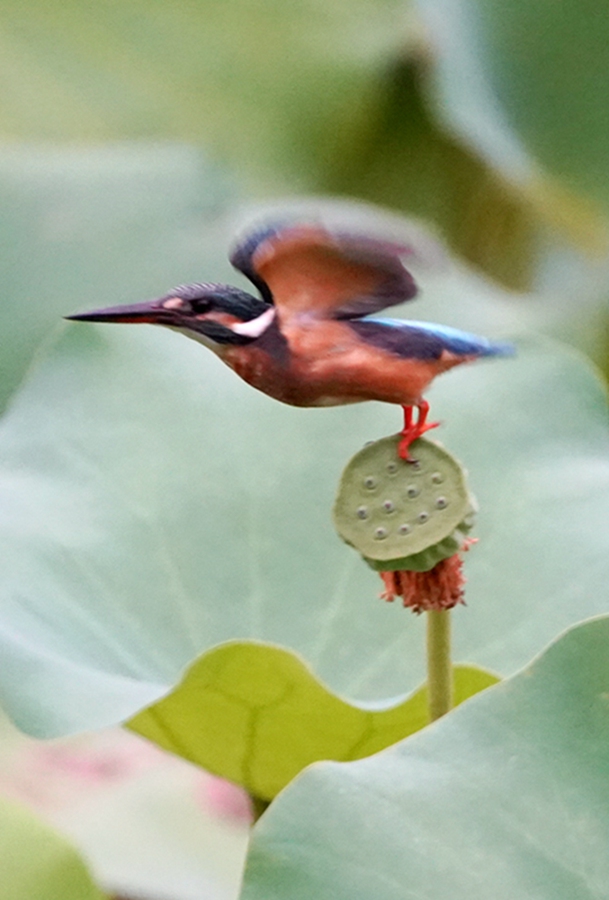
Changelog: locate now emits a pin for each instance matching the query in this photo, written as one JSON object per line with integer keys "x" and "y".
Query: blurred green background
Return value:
{"x": 135, "y": 136}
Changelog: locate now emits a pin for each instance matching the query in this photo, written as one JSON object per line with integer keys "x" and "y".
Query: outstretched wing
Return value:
{"x": 307, "y": 268}
{"x": 425, "y": 340}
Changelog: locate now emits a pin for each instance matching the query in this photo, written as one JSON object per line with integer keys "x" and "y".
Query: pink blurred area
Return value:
{"x": 52, "y": 775}
{"x": 148, "y": 823}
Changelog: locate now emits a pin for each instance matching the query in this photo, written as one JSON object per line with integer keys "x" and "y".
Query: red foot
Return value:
{"x": 413, "y": 430}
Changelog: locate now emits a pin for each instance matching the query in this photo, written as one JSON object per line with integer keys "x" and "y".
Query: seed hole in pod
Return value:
{"x": 369, "y": 482}
{"x": 362, "y": 512}
{"x": 380, "y": 534}
{"x": 441, "y": 503}
{"x": 422, "y": 518}
{"x": 388, "y": 506}
{"x": 437, "y": 478}
{"x": 412, "y": 492}
{"x": 392, "y": 468}
{"x": 416, "y": 465}
{"x": 404, "y": 529}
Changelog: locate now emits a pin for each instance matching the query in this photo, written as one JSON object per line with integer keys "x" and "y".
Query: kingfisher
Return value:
{"x": 311, "y": 336}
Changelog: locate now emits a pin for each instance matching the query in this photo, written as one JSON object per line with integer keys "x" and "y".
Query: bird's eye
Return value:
{"x": 199, "y": 305}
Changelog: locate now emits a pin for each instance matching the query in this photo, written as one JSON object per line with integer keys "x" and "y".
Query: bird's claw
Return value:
{"x": 408, "y": 436}
{"x": 412, "y": 431}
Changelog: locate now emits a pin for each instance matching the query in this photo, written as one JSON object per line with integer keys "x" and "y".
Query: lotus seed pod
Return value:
{"x": 402, "y": 515}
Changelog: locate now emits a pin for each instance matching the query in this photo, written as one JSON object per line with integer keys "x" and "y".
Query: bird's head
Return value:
{"x": 214, "y": 314}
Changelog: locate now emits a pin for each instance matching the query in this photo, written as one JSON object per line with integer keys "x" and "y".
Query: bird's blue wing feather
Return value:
{"x": 426, "y": 340}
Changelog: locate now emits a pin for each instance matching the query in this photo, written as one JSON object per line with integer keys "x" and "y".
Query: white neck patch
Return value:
{"x": 255, "y": 327}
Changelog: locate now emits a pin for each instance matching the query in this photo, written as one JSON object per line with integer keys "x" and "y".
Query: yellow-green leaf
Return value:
{"x": 257, "y": 715}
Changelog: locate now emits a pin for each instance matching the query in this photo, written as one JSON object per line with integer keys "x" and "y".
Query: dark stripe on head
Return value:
{"x": 225, "y": 297}
{"x": 217, "y": 332}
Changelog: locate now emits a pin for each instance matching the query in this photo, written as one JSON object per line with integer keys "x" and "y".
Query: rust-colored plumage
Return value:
{"x": 311, "y": 338}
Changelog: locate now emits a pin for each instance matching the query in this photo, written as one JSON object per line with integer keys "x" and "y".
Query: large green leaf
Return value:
{"x": 90, "y": 227}
{"x": 37, "y": 863}
{"x": 529, "y": 75}
{"x": 256, "y": 715}
{"x": 153, "y": 506}
{"x": 506, "y": 797}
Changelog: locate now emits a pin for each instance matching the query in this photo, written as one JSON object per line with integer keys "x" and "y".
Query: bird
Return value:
{"x": 311, "y": 336}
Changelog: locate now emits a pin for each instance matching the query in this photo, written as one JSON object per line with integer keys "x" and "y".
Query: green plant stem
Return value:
{"x": 439, "y": 666}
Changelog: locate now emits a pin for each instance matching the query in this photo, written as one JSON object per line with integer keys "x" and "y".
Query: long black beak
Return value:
{"x": 152, "y": 312}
